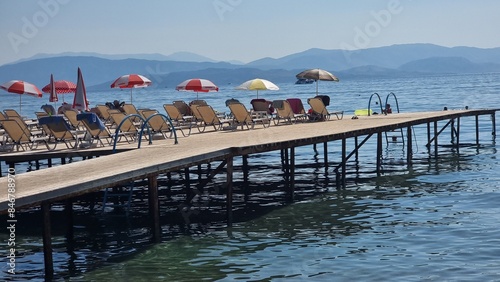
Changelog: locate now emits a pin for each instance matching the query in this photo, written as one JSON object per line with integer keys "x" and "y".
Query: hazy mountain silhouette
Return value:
{"x": 167, "y": 71}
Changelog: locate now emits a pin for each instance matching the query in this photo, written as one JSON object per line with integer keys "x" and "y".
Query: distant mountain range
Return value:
{"x": 100, "y": 70}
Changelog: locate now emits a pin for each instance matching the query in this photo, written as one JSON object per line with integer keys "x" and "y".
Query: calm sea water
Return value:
{"x": 435, "y": 220}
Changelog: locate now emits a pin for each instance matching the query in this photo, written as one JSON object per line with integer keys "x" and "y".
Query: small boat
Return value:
{"x": 304, "y": 81}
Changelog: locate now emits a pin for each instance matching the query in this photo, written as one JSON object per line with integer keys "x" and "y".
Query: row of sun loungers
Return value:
{"x": 91, "y": 129}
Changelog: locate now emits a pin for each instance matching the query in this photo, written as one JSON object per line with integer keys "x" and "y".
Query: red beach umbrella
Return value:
{"x": 131, "y": 81}
{"x": 62, "y": 87}
{"x": 197, "y": 85}
{"x": 21, "y": 87}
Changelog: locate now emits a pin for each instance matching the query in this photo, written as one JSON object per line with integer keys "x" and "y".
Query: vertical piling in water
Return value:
{"x": 47, "y": 241}
{"x": 325, "y": 156}
{"x": 68, "y": 210}
{"x": 344, "y": 161}
{"x": 435, "y": 139}
{"x": 458, "y": 134}
{"x": 409, "y": 148}
{"x": 229, "y": 193}
{"x": 379, "y": 153}
{"x": 291, "y": 176}
{"x": 187, "y": 184}
{"x": 154, "y": 207}
{"x": 246, "y": 185}
{"x": 477, "y": 130}
{"x": 493, "y": 123}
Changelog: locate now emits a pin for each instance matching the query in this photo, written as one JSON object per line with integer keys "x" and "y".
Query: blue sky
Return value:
{"x": 243, "y": 30}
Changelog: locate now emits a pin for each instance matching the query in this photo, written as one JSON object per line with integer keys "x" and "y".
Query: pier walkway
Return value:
{"x": 77, "y": 178}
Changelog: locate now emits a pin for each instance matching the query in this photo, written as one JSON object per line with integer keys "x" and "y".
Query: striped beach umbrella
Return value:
{"x": 131, "y": 81}
{"x": 197, "y": 85}
{"x": 22, "y": 88}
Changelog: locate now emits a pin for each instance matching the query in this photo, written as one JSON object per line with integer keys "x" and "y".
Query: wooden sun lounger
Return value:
{"x": 241, "y": 117}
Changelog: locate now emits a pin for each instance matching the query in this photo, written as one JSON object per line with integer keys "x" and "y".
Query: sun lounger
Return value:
{"x": 183, "y": 108}
{"x": 319, "y": 111}
{"x": 179, "y": 120}
{"x": 18, "y": 136}
{"x": 73, "y": 121}
{"x": 284, "y": 112}
{"x": 241, "y": 117}
{"x": 95, "y": 128}
{"x": 210, "y": 118}
{"x": 128, "y": 129}
{"x": 60, "y": 131}
{"x": 157, "y": 123}
{"x": 297, "y": 106}
{"x": 262, "y": 105}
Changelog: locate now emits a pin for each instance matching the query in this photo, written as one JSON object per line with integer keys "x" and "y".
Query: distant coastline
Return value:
{"x": 391, "y": 61}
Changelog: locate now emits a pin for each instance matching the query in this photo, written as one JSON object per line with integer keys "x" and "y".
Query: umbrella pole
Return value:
{"x": 316, "y": 88}
{"x": 20, "y": 108}
{"x": 131, "y": 95}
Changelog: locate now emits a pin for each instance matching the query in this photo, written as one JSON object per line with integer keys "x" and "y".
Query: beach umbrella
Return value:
{"x": 80, "y": 100}
{"x": 61, "y": 87}
{"x": 131, "y": 81}
{"x": 197, "y": 85}
{"x": 317, "y": 74}
{"x": 21, "y": 87}
{"x": 257, "y": 84}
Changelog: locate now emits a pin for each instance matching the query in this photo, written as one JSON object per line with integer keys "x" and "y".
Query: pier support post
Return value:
{"x": 435, "y": 139}
{"x": 429, "y": 138}
{"x": 325, "y": 156}
{"x": 344, "y": 160}
{"x": 291, "y": 176}
{"x": 68, "y": 210}
{"x": 246, "y": 186}
{"x": 47, "y": 241}
{"x": 493, "y": 123}
{"x": 229, "y": 193}
{"x": 477, "y": 130}
{"x": 154, "y": 207}
{"x": 356, "y": 153}
{"x": 187, "y": 181}
{"x": 458, "y": 134}
{"x": 379, "y": 153}
{"x": 409, "y": 148}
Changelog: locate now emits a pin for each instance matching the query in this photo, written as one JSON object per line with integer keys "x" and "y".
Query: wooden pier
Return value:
{"x": 46, "y": 186}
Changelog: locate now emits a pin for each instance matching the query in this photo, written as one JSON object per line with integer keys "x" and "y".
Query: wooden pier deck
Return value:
{"x": 78, "y": 178}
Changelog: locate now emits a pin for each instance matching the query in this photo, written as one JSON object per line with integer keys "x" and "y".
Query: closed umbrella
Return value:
{"x": 21, "y": 87}
{"x": 317, "y": 74}
{"x": 258, "y": 84}
{"x": 131, "y": 81}
{"x": 80, "y": 100}
{"x": 197, "y": 85}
